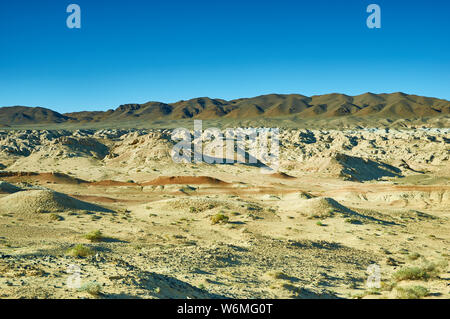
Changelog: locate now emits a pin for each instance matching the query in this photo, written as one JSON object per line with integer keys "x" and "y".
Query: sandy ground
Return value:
{"x": 311, "y": 232}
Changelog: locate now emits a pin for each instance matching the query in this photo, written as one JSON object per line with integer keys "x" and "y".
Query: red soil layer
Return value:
{"x": 58, "y": 178}
{"x": 113, "y": 183}
{"x": 194, "y": 180}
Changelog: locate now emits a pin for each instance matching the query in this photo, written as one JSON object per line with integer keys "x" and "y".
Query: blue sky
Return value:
{"x": 137, "y": 51}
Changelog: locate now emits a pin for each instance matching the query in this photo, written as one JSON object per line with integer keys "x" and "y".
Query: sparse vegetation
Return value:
{"x": 353, "y": 221}
{"x": 415, "y": 292}
{"x": 55, "y": 217}
{"x": 413, "y": 256}
{"x": 80, "y": 251}
{"x": 279, "y": 275}
{"x": 94, "y": 236}
{"x": 416, "y": 273}
{"x": 320, "y": 212}
{"x": 388, "y": 286}
{"x": 92, "y": 288}
{"x": 319, "y": 223}
{"x": 219, "y": 219}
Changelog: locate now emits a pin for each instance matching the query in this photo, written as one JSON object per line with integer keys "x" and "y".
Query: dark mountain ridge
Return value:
{"x": 394, "y": 105}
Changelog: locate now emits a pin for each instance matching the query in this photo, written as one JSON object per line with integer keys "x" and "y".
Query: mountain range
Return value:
{"x": 393, "y": 105}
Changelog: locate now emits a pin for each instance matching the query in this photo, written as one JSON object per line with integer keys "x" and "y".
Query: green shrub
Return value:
{"x": 416, "y": 273}
{"x": 55, "y": 217}
{"x": 219, "y": 218}
{"x": 92, "y": 288}
{"x": 319, "y": 223}
{"x": 413, "y": 256}
{"x": 94, "y": 236}
{"x": 411, "y": 273}
{"x": 415, "y": 292}
{"x": 80, "y": 251}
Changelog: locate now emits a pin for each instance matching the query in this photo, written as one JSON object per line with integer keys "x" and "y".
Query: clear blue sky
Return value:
{"x": 142, "y": 50}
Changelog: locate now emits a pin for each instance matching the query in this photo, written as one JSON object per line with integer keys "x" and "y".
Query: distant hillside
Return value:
{"x": 387, "y": 106}
{"x": 18, "y": 115}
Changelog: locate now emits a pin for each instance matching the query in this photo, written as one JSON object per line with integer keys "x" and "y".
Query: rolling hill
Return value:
{"x": 19, "y": 115}
{"x": 386, "y": 106}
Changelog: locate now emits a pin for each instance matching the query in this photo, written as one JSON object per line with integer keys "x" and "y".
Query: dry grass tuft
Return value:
{"x": 94, "y": 236}
{"x": 219, "y": 219}
{"x": 80, "y": 251}
{"x": 415, "y": 292}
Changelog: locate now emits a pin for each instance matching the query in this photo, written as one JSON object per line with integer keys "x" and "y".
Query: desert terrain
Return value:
{"x": 111, "y": 204}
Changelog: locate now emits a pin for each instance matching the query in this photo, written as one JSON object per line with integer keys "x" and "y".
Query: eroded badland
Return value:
{"x": 112, "y": 206}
